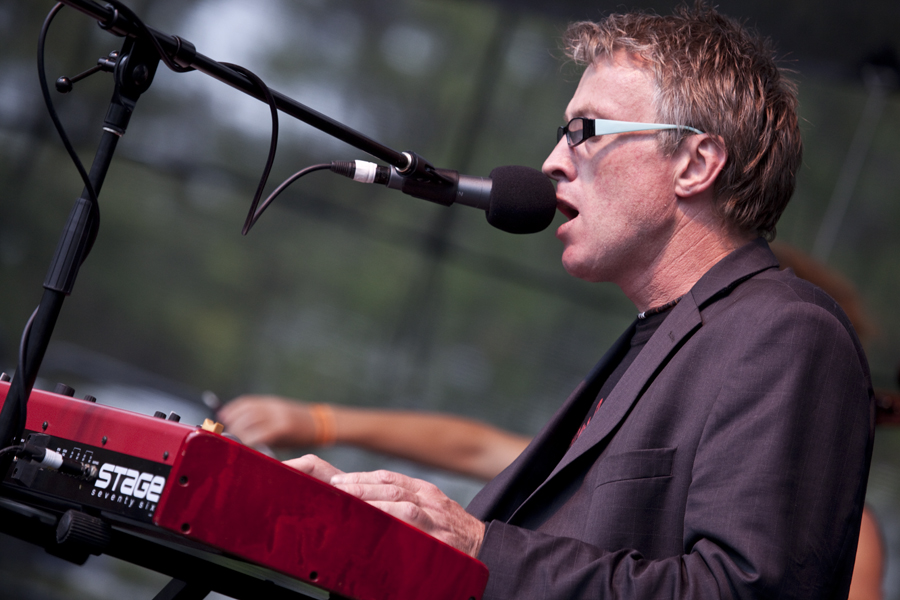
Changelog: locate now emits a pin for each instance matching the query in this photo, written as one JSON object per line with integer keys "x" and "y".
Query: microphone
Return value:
{"x": 515, "y": 199}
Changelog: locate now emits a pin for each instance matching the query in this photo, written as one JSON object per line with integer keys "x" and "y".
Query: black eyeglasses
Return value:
{"x": 581, "y": 128}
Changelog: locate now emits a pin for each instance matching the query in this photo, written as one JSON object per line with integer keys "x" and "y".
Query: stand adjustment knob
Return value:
{"x": 81, "y": 530}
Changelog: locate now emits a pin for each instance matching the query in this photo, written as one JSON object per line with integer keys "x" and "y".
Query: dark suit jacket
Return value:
{"x": 730, "y": 461}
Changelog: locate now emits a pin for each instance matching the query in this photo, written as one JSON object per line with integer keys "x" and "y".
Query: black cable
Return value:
{"x": 92, "y": 194}
{"x": 23, "y": 344}
{"x": 255, "y": 208}
{"x": 45, "y": 91}
{"x": 273, "y": 142}
{"x": 257, "y": 213}
{"x": 88, "y": 186}
{"x": 270, "y": 99}
{"x": 8, "y": 449}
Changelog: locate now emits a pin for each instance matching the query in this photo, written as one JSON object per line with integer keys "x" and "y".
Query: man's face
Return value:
{"x": 617, "y": 191}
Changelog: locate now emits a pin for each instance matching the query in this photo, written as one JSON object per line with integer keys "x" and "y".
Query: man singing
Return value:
{"x": 720, "y": 448}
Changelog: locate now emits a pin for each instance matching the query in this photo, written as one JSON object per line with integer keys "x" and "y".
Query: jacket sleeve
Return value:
{"x": 776, "y": 487}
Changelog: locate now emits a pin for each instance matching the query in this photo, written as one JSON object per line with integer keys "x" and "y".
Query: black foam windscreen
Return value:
{"x": 523, "y": 200}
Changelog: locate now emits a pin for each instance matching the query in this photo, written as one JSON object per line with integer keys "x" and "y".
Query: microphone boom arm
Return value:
{"x": 184, "y": 54}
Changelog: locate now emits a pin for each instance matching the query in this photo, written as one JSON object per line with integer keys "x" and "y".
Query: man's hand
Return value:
{"x": 413, "y": 501}
{"x": 417, "y": 502}
{"x": 314, "y": 466}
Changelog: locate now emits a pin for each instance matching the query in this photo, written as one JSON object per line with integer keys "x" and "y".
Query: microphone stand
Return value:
{"x": 134, "y": 73}
{"x": 134, "y": 70}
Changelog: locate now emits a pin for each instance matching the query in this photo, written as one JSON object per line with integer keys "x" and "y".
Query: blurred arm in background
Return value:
{"x": 444, "y": 441}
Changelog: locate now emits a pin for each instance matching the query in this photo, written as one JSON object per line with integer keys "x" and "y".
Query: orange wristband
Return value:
{"x": 324, "y": 430}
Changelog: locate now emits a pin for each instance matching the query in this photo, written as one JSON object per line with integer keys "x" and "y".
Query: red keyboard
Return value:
{"x": 183, "y": 485}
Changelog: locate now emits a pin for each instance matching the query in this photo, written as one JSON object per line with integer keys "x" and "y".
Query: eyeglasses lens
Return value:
{"x": 574, "y": 132}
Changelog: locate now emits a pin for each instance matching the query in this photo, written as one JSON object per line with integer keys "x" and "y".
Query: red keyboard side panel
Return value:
{"x": 254, "y": 507}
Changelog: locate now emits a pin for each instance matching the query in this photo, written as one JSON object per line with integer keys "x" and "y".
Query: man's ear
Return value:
{"x": 700, "y": 160}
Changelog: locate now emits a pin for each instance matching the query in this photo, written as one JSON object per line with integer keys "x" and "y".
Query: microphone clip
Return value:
{"x": 423, "y": 180}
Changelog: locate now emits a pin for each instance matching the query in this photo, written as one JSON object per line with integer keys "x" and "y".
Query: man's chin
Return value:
{"x": 579, "y": 269}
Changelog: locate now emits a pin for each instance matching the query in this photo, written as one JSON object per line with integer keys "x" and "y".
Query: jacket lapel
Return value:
{"x": 681, "y": 323}
{"x": 684, "y": 320}
{"x": 506, "y": 492}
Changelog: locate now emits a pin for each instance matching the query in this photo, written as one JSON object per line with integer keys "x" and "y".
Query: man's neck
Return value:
{"x": 680, "y": 264}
